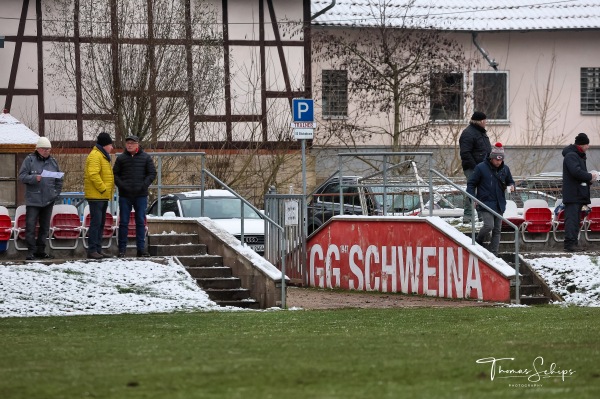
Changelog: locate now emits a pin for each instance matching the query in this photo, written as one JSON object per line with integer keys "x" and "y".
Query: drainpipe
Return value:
{"x": 492, "y": 63}
{"x": 323, "y": 11}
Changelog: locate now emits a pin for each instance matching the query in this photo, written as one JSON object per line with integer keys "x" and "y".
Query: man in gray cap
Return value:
{"x": 575, "y": 189}
{"x": 134, "y": 172}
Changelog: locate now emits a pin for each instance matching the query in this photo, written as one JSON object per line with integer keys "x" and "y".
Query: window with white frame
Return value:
{"x": 335, "y": 93}
{"x": 590, "y": 90}
{"x": 446, "y": 96}
{"x": 490, "y": 94}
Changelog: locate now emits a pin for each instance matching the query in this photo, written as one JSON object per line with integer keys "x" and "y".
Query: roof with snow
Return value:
{"x": 14, "y": 132}
{"x": 462, "y": 15}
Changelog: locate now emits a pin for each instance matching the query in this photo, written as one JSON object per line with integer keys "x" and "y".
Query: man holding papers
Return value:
{"x": 43, "y": 183}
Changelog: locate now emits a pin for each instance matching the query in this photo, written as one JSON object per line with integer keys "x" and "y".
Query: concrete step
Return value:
{"x": 205, "y": 260}
{"x": 219, "y": 283}
{"x": 173, "y": 239}
{"x": 246, "y": 304}
{"x": 177, "y": 250}
{"x": 209, "y": 271}
{"x": 219, "y": 294}
{"x": 534, "y": 300}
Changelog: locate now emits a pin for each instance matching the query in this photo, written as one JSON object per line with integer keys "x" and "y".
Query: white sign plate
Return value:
{"x": 304, "y": 125}
{"x": 291, "y": 213}
{"x": 304, "y": 134}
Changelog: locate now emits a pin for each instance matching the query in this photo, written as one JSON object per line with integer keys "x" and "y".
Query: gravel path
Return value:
{"x": 312, "y": 298}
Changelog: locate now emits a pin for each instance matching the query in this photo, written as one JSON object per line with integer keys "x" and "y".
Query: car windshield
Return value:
{"x": 217, "y": 208}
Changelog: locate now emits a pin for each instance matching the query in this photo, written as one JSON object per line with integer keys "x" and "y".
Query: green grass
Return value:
{"x": 387, "y": 353}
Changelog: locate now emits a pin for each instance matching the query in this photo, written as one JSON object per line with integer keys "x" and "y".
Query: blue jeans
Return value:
{"x": 97, "y": 220}
{"x": 139, "y": 204}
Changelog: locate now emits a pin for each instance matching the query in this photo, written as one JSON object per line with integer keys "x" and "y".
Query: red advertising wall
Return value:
{"x": 395, "y": 255}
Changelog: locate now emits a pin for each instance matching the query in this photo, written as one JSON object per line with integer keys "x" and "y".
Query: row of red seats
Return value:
{"x": 538, "y": 221}
{"x": 65, "y": 224}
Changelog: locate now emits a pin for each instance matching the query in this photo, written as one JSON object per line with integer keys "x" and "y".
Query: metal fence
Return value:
{"x": 286, "y": 245}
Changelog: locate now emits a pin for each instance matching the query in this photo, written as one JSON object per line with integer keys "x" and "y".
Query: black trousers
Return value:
{"x": 33, "y": 214}
{"x": 572, "y": 224}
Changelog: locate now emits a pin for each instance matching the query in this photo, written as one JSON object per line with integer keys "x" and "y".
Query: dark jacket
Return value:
{"x": 474, "y": 146}
{"x": 47, "y": 190}
{"x": 488, "y": 184}
{"x": 576, "y": 179}
{"x": 134, "y": 173}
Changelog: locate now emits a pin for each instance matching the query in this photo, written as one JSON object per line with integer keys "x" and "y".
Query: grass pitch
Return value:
{"x": 366, "y": 353}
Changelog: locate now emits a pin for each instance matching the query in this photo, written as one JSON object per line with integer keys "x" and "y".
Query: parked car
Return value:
{"x": 222, "y": 207}
{"x": 365, "y": 197}
{"x": 324, "y": 203}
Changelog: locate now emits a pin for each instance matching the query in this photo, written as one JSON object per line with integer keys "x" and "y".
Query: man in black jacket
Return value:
{"x": 134, "y": 172}
{"x": 575, "y": 188}
{"x": 488, "y": 183}
{"x": 474, "y": 147}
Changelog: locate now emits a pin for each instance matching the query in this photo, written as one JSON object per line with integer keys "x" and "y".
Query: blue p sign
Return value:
{"x": 303, "y": 110}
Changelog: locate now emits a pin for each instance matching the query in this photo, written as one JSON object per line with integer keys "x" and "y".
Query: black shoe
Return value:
{"x": 30, "y": 257}
{"x": 142, "y": 254}
{"x": 95, "y": 255}
{"x": 43, "y": 255}
{"x": 105, "y": 255}
{"x": 574, "y": 249}
{"x": 121, "y": 255}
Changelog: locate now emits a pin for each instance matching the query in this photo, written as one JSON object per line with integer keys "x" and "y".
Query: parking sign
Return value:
{"x": 303, "y": 110}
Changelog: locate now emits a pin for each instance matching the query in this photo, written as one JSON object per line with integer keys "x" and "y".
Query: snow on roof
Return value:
{"x": 463, "y": 15}
{"x": 14, "y": 132}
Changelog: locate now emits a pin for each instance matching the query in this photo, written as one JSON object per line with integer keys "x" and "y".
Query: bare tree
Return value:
{"x": 147, "y": 76}
{"x": 389, "y": 69}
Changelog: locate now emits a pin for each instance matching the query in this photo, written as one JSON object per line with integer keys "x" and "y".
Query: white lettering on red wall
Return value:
{"x": 436, "y": 271}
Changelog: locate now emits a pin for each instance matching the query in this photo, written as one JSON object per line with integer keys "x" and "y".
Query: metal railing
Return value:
{"x": 286, "y": 246}
{"x": 508, "y": 222}
{"x": 270, "y": 224}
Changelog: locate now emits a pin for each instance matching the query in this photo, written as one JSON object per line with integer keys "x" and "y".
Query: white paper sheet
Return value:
{"x": 56, "y": 175}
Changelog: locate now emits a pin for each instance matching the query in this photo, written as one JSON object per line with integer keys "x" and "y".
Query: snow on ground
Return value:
{"x": 108, "y": 287}
{"x": 575, "y": 278}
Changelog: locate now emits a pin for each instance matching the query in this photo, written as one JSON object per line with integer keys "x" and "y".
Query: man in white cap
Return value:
{"x": 40, "y": 194}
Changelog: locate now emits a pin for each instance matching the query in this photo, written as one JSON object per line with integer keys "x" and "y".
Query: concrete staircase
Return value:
{"x": 532, "y": 288}
{"x": 211, "y": 275}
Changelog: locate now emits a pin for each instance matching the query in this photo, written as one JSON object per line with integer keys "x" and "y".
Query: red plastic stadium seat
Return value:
{"x": 19, "y": 227}
{"x": 592, "y": 221}
{"x": 538, "y": 221}
{"x": 65, "y": 224}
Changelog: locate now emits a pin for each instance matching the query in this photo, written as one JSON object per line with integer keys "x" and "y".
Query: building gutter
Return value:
{"x": 323, "y": 11}
{"x": 492, "y": 62}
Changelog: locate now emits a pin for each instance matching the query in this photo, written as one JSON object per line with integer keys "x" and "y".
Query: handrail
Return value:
{"x": 273, "y": 223}
{"x": 511, "y": 224}
{"x": 159, "y": 186}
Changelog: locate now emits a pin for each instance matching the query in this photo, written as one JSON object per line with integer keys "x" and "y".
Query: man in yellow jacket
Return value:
{"x": 98, "y": 187}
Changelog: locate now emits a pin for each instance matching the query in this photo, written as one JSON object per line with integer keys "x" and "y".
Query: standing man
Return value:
{"x": 98, "y": 187}
{"x": 575, "y": 188}
{"x": 134, "y": 172}
{"x": 475, "y": 146}
{"x": 488, "y": 184}
{"x": 40, "y": 194}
